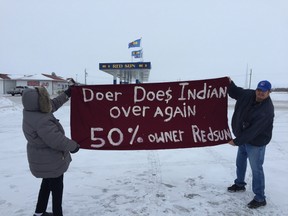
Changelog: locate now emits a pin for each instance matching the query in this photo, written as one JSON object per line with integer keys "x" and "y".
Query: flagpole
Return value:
{"x": 141, "y": 55}
{"x": 141, "y": 50}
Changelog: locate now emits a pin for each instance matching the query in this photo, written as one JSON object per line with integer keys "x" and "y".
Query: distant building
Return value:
{"x": 53, "y": 83}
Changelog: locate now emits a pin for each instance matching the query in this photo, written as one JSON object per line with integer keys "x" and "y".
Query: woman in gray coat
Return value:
{"x": 48, "y": 149}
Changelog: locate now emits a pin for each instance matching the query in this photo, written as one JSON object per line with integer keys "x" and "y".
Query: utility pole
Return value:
{"x": 85, "y": 75}
{"x": 250, "y": 77}
{"x": 246, "y": 77}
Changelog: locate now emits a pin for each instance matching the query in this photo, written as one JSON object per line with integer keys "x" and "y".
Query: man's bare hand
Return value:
{"x": 231, "y": 142}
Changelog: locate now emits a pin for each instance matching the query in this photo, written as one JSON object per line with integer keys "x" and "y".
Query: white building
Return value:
{"x": 53, "y": 83}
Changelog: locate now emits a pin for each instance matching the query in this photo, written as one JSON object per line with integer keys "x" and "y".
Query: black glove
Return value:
{"x": 76, "y": 149}
{"x": 68, "y": 91}
{"x": 71, "y": 83}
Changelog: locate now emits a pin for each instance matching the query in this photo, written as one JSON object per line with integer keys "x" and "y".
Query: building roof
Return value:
{"x": 54, "y": 77}
{"x": 4, "y": 76}
{"x": 45, "y": 77}
{"x": 35, "y": 77}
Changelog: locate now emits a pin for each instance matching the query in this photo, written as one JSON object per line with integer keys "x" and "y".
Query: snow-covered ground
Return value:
{"x": 143, "y": 183}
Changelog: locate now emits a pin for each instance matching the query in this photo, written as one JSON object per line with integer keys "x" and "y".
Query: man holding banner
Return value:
{"x": 252, "y": 124}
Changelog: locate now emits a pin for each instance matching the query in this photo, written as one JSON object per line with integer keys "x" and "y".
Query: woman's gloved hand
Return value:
{"x": 71, "y": 83}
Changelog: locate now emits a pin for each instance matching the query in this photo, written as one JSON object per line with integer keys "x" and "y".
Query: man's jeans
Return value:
{"x": 256, "y": 156}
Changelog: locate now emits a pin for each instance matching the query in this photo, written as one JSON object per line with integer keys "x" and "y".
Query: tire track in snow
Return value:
{"x": 154, "y": 181}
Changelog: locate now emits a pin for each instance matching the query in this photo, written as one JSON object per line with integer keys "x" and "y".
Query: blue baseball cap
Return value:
{"x": 264, "y": 85}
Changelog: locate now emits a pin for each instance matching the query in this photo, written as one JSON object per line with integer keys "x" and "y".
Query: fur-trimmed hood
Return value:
{"x": 37, "y": 100}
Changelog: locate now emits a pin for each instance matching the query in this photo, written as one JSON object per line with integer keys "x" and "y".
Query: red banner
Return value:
{"x": 150, "y": 116}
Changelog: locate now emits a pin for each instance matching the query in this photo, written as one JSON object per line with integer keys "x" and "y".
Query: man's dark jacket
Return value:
{"x": 252, "y": 123}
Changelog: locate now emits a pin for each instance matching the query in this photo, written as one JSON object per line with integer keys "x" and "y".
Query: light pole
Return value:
{"x": 250, "y": 77}
{"x": 85, "y": 75}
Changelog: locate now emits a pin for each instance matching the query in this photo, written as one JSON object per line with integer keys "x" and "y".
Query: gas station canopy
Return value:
{"x": 127, "y": 72}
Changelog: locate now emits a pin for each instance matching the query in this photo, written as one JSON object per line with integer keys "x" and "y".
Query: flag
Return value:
{"x": 135, "y": 43}
{"x": 137, "y": 54}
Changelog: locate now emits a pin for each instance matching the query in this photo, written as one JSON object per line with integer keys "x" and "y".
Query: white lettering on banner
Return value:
{"x": 171, "y": 112}
{"x": 115, "y": 136}
{"x": 116, "y": 112}
{"x": 119, "y": 132}
{"x": 168, "y": 136}
{"x": 115, "y": 140}
{"x": 205, "y": 93}
{"x": 109, "y": 137}
{"x": 94, "y": 138}
{"x": 140, "y": 94}
{"x": 204, "y": 136}
{"x": 89, "y": 95}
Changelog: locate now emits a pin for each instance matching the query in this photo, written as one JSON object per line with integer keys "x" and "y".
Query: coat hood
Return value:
{"x": 37, "y": 100}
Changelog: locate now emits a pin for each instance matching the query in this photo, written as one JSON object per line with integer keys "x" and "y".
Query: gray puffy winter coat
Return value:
{"x": 48, "y": 147}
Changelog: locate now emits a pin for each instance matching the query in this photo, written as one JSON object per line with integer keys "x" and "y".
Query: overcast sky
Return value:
{"x": 183, "y": 39}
